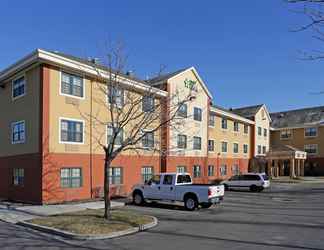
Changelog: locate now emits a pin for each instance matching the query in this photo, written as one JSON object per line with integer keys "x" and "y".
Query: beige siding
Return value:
{"x": 262, "y": 120}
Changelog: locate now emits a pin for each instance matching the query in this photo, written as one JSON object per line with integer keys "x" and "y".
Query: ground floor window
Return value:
{"x": 18, "y": 176}
{"x": 147, "y": 173}
{"x": 71, "y": 177}
{"x": 211, "y": 170}
{"x": 115, "y": 175}
{"x": 235, "y": 169}
{"x": 223, "y": 170}
{"x": 181, "y": 169}
{"x": 196, "y": 171}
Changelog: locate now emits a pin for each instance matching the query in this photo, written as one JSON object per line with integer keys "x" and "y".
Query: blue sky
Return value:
{"x": 243, "y": 50}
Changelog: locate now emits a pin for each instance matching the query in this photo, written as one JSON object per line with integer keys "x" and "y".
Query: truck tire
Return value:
{"x": 138, "y": 198}
{"x": 253, "y": 188}
{"x": 190, "y": 203}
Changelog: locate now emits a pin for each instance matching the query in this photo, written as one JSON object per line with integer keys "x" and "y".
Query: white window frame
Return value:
{"x": 73, "y": 120}
{"x": 316, "y": 146}
{"x": 72, "y": 96}
{"x": 12, "y": 127}
{"x": 12, "y": 87}
{"x": 289, "y": 138}
{"x": 247, "y": 146}
{"x": 238, "y": 148}
{"x": 312, "y": 136}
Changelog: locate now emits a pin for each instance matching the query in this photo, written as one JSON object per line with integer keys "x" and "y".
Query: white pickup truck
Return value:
{"x": 177, "y": 187}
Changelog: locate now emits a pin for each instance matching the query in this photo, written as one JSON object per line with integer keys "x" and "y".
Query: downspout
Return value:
{"x": 91, "y": 163}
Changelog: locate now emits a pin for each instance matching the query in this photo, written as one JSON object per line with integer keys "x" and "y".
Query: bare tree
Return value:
{"x": 130, "y": 113}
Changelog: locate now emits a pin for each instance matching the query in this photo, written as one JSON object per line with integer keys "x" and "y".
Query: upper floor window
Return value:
{"x": 211, "y": 145}
{"x": 224, "y": 146}
{"x": 197, "y": 143}
{"x": 236, "y": 126}
{"x": 18, "y": 176}
{"x": 148, "y": 103}
{"x": 245, "y": 148}
{"x": 212, "y": 120}
{"x": 72, "y": 85}
{"x": 148, "y": 140}
{"x": 71, "y": 177}
{"x": 196, "y": 171}
{"x": 235, "y": 148}
{"x": 116, "y": 96}
{"x": 115, "y": 175}
{"x": 259, "y": 149}
{"x": 311, "y": 132}
{"x": 265, "y": 132}
{"x": 18, "y": 87}
{"x": 119, "y": 135}
{"x": 197, "y": 114}
{"x": 182, "y": 141}
{"x": 264, "y": 150}
{"x": 183, "y": 110}
{"x": 147, "y": 173}
{"x": 246, "y": 129}
{"x": 311, "y": 149}
{"x": 259, "y": 131}
{"x": 18, "y": 132}
{"x": 224, "y": 123}
{"x": 211, "y": 170}
{"x": 71, "y": 131}
{"x": 181, "y": 169}
{"x": 285, "y": 134}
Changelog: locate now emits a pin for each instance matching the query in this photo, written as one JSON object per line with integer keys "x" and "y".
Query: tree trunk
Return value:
{"x": 107, "y": 215}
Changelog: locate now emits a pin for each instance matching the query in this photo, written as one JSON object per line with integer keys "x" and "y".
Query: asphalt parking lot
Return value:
{"x": 288, "y": 216}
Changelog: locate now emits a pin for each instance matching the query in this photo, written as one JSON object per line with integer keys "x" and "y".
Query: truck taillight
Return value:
{"x": 209, "y": 192}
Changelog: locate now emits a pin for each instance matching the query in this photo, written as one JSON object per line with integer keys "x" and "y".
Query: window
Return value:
{"x": 212, "y": 120}
{"x": 18, "y": 176}
{"x": 224, "y": 146}
{"x": 18, "y": 87}
{"x": 72, "y": 85}
{"x": 196, "y": 171}
{"x": 310, "y": 132}
{"x": 110, "y": 134}
{"x": 181, "y": 169}
{"x": 211, "y": 170}
{"x": 246, "y": 129}
{"x": 224, "y": 123}
{"x": 264, "y": 150}
{"x": 223, "y": 170}
{"x": 156, "y": 179}
{"x": 148, "y": 104}
{"x": 197, "y": 114}
{"x": 250, "y": 177}
{"x": 182, "y": 141}
{"x": 259, "y": 149}
{"x": 211, "y": 145}
{"x": 71, "y": 177}
{"x": 265, "y": 132}
{"x": 183, "y": 179}
{"x": 148, "y": 140}
{"x": 168, "y": 180}
{"x": 115, "y": 176}
{"x": 71, "y": 131}
{"x": 236, "y": 126}
{"x": 147, "y": 173}
{"x": 245, "y": 149}
{"x": 18, "y": 132}
{"x": 183, "y": 111}
{"x": 285, "y": 134}
{"x": 235, "y": 148}
{"x": 235, "y": 169}
{"x": 196, "y": 143}
{"x": 116, "y": 96}
{"x": 311, "y": 149}
{"x": 259, "y": 131}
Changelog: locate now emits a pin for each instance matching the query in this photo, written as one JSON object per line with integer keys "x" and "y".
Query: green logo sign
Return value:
{"x": 190, "y": 84}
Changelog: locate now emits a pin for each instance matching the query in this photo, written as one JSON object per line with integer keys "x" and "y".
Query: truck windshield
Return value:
{"x": 182, "y": 179}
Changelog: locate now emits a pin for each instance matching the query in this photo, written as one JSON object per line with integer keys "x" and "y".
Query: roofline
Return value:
{"x": 52, "y": 58}
{"x": 299, "y": 127}
{"x": 231, "y": 115}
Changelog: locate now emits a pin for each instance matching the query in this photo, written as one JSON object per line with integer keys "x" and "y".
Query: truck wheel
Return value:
{"x": 206, "y": 205}
{"x": 138, "y": 198}
{"x": 253, "y": 188}
{"x": 190, "y": 203}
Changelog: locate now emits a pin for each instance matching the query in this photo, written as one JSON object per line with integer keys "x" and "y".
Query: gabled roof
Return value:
{"x": 249, "y": 111}
{"x": 298, "y": 118}
{"x": 169, "y": 76}
{"x": 228, "y": 113}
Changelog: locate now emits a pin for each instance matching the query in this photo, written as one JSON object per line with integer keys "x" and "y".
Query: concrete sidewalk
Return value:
{"x": 13, "y": 213}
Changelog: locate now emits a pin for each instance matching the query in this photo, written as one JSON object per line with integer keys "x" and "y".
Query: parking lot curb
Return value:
{"x": 72, "y": 236}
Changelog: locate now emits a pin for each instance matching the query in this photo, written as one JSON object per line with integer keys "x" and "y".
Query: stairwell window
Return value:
{"x": 71, "y": 131}
{"x": 182, "y": 141}
{"x": 18, "y": 132}
{"x": 71, "y": 177}
{"x": 18, "y": 176}
{"x": 115, "y": 175}
{"x": 183, "y": 111}
{"x": 197, "y": 114}
{"x": 18, "y": 87}
{"x": 196, "y": 171}
{"x": 72, "y": 85}
{"x": 197, "y": 143}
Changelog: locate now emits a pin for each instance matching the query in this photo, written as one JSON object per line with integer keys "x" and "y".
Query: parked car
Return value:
{"x": 254, "y": 182}
{"x": 173, "y": 188}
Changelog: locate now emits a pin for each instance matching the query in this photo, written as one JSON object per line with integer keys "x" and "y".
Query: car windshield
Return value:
{"x": 265, "y": 177}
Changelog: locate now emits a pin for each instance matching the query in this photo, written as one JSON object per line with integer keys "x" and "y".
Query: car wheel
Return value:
{"x": 138, "y": 198}
{"x": 253, "y": 188}
{"x": 190, "y": 203}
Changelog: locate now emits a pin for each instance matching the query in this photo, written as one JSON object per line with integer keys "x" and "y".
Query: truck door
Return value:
{"x": 153, "y": 188}
{"x": 168, "y": 187}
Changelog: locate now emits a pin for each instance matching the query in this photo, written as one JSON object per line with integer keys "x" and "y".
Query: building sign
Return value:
{"x": 190, "y": 84}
